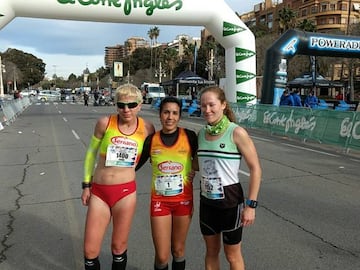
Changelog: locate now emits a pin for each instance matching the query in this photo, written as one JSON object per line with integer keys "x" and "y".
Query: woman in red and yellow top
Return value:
{"x": 109, "y": 191}
{"x": 171, "y": 151}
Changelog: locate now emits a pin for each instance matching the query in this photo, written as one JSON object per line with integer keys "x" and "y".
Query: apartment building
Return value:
{"x": 329, "y": 16}
{"x": 119, "y": 52}
{"x": 113, "y": 54}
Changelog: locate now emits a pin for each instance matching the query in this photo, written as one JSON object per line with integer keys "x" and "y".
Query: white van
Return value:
{"x": 152, "y": 91}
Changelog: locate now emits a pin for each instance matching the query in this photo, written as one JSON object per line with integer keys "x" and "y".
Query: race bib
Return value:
{"x": 211, "y": 188}
{"x": 121, "y": 156}
{"x": 169, "y": 184}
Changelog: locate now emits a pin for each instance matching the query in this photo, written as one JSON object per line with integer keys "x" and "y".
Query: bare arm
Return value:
{"x": 249, "y": 153}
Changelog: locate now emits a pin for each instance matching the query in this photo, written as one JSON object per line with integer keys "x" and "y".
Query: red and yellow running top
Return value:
{"x": 119, "y": 149}
{"x": 171, "y": 166}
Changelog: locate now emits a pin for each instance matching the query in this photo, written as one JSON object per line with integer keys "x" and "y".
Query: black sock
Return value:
{"x": 119, "y": 261}
{"x": 161, "y": 267}
{"x": 92, "y": 264}
{"x": 178, "y": 265}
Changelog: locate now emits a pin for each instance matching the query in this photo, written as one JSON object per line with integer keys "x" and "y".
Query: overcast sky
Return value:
{"x": 70, "y": 46}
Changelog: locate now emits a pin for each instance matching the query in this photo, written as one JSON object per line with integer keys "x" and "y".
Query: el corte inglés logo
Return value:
{"x": 243, "y": 76}
{"x": 129, "y": 5}
{"x": 231, "y": 29}
{"x": 242, "y": 54}
{"x": 242, "y": 97}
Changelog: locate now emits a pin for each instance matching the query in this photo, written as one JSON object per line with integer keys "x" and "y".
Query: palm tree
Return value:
{"x": 156, "y": 33}
{"x": 170, "y": 60}
{"x": 307, "y": 25}
{"x": 151, "y": 36}
{"x": 286, "y": 19}
{"x": 128, "y": 49}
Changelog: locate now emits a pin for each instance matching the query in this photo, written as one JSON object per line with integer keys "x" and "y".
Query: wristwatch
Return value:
{"x": 251, "y": 203}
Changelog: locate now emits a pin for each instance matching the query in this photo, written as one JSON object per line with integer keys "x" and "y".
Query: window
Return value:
{"x": 314, "y": 9}
{"x": 303, "y": 12}
{"x": 324, "y": 7}
{"x": 332, "y": 7}
{"x": 344, "y": 7}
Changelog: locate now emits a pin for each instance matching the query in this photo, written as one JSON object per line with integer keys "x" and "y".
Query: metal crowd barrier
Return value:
{"x": 11, "y": 109}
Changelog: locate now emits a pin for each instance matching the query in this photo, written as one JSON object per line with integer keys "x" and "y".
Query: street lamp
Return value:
{"x": 212, "y": 65}
{"x": 2, "y": 69}
{"x": 160, "y": 72}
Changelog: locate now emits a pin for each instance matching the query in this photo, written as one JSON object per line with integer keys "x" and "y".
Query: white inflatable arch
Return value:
{"x": 215, "y": 15}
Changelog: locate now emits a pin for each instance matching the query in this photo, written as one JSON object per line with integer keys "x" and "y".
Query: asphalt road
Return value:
{"x": 308, "y": 216}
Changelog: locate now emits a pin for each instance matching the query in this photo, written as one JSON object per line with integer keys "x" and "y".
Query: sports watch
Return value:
{"x": 251, "y": 203}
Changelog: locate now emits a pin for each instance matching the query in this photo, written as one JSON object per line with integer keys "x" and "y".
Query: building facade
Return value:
{"x": 329, "y": 16}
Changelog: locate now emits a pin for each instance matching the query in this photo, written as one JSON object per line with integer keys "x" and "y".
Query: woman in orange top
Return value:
{"x": 171, "y": 151}
{"x": 109, "y": 191}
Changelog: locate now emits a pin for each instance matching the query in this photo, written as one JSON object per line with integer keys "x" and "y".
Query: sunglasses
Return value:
{"x": 130, "y": 105}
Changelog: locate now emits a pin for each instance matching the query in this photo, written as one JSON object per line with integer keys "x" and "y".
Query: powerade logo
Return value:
{"x": 242, "y": 54}
{"x": 242, "y": 97}
{"x": 231, "y": 29}
{"x": 243, "y": 76}
{"x": 290, "y": 48}
{"x": 323, "y": 43}
{"x": 129, "y": 5}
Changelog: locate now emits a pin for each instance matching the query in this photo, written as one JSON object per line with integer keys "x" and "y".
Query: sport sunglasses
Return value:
{"x": 130, "y": 105}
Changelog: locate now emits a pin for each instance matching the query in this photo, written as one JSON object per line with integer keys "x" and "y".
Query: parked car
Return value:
{"x": 28, "y": 93}
{"x": 49, "y": 95}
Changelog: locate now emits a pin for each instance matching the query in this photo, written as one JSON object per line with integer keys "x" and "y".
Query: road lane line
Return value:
{"x": 311, "y": 150}
{"x": 75, "y": 134}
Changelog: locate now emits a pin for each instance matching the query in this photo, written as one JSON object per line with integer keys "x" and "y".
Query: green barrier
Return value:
{"x": 325, "y": 126}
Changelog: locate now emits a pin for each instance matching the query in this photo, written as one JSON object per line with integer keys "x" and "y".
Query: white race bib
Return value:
{"x": 169, "y": 184}
{"x": 211, "y": 188}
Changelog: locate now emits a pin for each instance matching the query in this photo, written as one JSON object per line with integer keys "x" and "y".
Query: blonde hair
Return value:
{"x": 221, "y": 96}
{"x": 128, "y": 90}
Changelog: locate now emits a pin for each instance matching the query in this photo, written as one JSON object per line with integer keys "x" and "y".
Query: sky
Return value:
{"x": 71, "y": 46}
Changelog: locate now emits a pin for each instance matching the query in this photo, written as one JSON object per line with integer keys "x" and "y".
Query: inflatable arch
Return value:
{"x": 306, "y": 43}
{"x": 215, "y": 15}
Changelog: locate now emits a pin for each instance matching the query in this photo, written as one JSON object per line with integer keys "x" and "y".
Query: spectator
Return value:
{"x": 286, "y": 99}
{"x": 16, "y": 94}
{"x": 311, "y": 100}
{"x": 296, "y": 97}
{"x": 86, "y": 99}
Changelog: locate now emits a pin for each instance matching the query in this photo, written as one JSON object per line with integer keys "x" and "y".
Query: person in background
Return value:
{"x": 17, "y": 94}
{"x": 311, "y": 100}
{"x": 171, "y": 151}
{"x": 286, "y": 99}
{"x": 86, "y": 98}
{"x": 296, "y": 97}
{"x": 109, "y": 191}
{"x": 224, "y": 211}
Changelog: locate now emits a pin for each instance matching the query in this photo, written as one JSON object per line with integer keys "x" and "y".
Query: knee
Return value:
{"x": 91, "y": 252}
{"x": 178, "y": 251}
{"x": 161, "y": 259}
{"x": 213, "y": 251}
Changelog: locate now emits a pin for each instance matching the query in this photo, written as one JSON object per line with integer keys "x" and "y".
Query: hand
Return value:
{"x": 85, "y": 196}
{"x": 191, "y": 175}
{"x": 247, "y": 216}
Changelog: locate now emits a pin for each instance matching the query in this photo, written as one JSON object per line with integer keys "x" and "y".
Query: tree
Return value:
{"x": 286, "y": 17}
{"x": 306, "y": 25}
{"x": 171, "y": 58}
{"x": 23, "y": 67}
